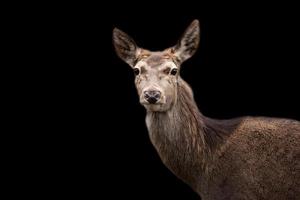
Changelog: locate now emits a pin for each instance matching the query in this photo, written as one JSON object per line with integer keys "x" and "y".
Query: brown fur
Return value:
{"x": 243, "y": 158}
{"x": 246, "y": 158}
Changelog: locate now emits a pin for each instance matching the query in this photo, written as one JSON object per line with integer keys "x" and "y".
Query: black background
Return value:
{"x": 92, "y": 135}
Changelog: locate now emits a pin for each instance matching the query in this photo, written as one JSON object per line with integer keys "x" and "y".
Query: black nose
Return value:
{"x": 152, "y": 96}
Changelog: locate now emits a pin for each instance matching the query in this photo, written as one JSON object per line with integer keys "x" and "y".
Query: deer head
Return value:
{"x": 157, "y": 73}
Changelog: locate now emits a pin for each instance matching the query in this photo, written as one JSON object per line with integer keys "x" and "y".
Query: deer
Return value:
{"x": 241, "y": 158}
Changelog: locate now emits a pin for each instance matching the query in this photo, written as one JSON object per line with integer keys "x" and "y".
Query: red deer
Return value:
{"x": 242, "y": 158}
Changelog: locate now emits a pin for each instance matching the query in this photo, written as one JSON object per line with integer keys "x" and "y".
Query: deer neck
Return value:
{"x": 179, "y": 135}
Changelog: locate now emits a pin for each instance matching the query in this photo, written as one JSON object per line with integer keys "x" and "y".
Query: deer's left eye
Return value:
{"x": 174, "y": 71}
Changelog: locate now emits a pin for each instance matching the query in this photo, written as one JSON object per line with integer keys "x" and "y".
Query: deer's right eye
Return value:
{"x": 136, "y": 71}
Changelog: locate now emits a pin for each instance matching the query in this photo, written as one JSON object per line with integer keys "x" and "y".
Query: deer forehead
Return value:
{"x": 144, "y": 65}
{"x": 155, "y": 59}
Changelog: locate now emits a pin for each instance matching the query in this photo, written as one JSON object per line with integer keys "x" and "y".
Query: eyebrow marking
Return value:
{"x": 167, "y": 70}
{"x": 143, "y": 70}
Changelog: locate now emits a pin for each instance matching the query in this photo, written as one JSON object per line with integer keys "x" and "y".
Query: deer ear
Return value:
{"x": 188, "y": 43}
{"x": 125, "y": 46}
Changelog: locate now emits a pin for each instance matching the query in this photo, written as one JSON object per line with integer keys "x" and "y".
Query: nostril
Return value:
{"x": 146, "y": 95}
{"x": 157, "y": 95}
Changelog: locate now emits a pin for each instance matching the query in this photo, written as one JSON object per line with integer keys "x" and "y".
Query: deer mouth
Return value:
{"x": 151, "y": 104}
{"x": 158, "y": 107}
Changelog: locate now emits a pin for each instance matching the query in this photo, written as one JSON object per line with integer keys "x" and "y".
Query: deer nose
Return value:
{"x": 152, "y": 96}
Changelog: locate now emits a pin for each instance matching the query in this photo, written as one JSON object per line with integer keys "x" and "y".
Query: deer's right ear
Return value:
{"x": 125, "y": 47}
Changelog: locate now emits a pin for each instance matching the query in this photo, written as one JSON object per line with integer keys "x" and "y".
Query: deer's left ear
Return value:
{"x": 188, "y": 43}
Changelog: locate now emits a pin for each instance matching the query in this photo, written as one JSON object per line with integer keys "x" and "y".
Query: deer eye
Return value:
{"x": 174, "y": 71}
{"x": 136, "y": 71}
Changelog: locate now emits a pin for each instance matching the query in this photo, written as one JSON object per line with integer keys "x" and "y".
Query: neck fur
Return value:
{"x": 183, "y": 137}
